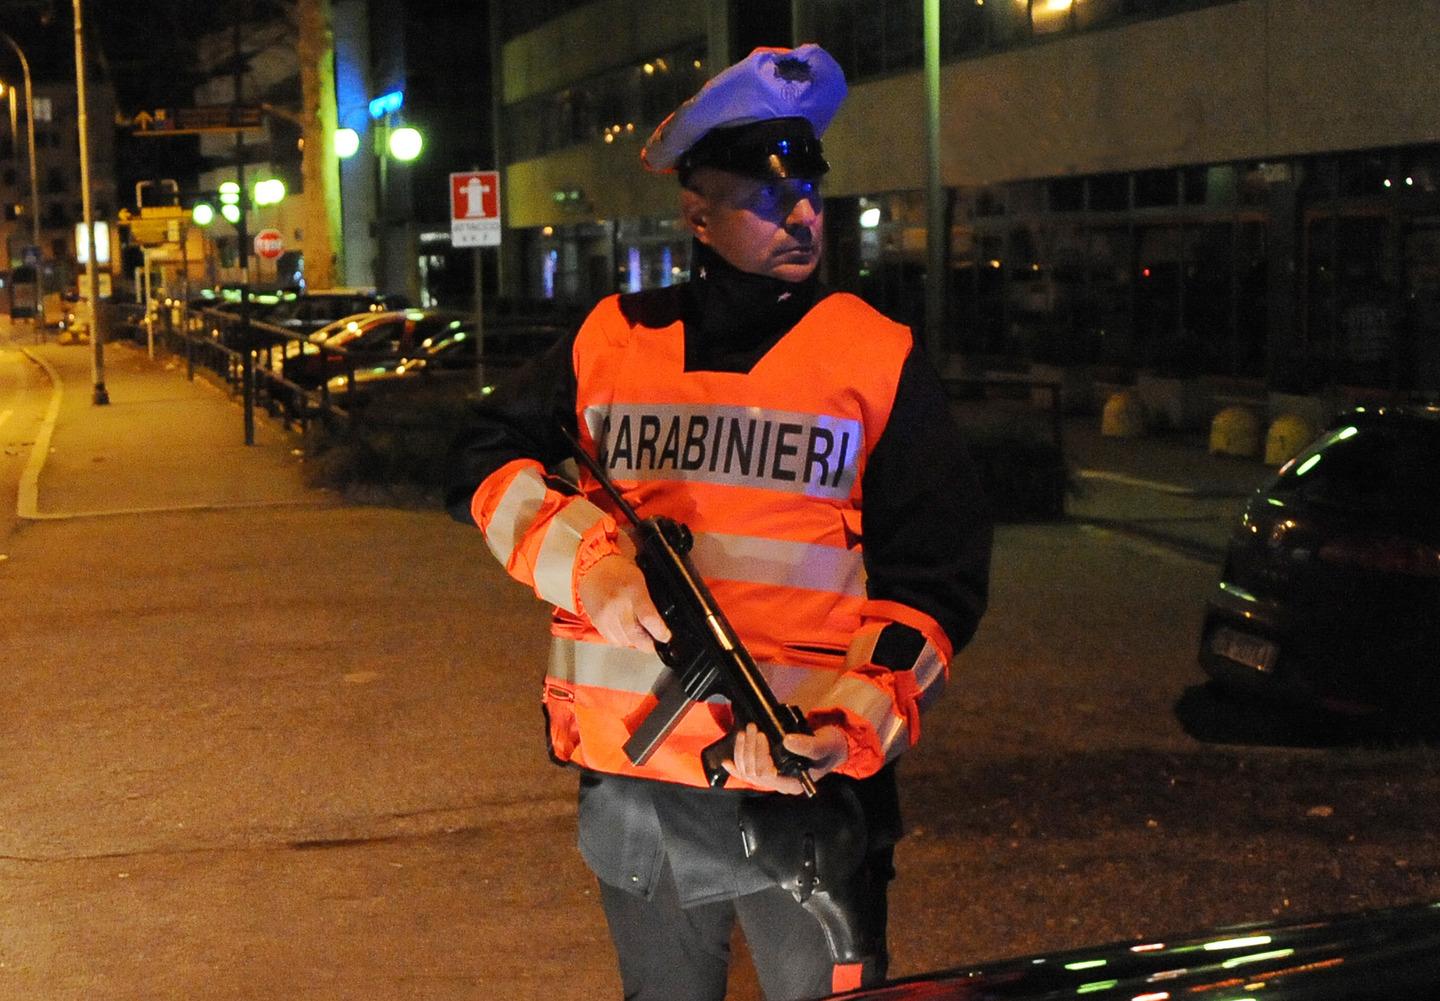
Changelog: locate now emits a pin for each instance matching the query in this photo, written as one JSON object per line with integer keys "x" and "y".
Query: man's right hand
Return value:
{"x": 613, "y": 594}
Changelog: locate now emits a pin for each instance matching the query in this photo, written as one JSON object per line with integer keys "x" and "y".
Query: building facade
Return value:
{"x": 585, "y": 219}
{"x": 57, "y": 171}
{"x": 1238, "y": 189}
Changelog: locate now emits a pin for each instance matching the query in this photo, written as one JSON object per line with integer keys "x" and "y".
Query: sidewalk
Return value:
{"x": 163, "y": 443}
{"x": 256, "y": 744}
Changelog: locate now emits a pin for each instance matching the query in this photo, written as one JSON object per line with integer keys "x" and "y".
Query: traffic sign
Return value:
{"x": 475, "y": 209}
{"x": 269, "y": 244}
{"x": 152, "y": 232}
{"x": 192, "y": 121}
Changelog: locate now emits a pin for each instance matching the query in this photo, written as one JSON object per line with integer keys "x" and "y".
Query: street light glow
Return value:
{"x": 231, "y": 212}
{"x": 347, "y": 143}
{"x": 203, "y": 214}
{"x": 405, "y": 144}
{"x": 269, "y": 192}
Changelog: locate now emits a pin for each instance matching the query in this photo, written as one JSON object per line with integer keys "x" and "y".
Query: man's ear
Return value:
{"x": 695, "y": 212}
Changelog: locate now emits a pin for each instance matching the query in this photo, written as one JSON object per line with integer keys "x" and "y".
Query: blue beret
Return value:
{"x": 762, "y": 116}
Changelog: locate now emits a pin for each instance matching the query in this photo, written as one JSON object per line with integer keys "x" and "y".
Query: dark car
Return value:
{"x": 1381, "y": 955}
{"x": 364, "y": 338}
{"x": 1330, "y": 594}
{"x": 446, "y": 363}
{"x": 216, "y": 312}
{"x": 310, "y": 311}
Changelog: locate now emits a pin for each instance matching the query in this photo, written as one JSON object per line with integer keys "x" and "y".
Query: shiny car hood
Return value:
{"x": 1386, "y": 954}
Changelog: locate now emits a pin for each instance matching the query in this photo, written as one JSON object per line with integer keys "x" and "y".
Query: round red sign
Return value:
{"x": 269, "y": 244}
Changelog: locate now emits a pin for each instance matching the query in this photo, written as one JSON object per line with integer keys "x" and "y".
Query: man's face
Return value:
{"x": 763, "y": 227}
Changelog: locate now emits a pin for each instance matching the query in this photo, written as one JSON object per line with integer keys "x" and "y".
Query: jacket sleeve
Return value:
{"x": 927, "y": 540}
{"x": 536, "y": 524}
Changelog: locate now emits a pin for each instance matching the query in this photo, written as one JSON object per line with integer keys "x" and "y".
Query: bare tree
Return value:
{"x": 320, "y": 168}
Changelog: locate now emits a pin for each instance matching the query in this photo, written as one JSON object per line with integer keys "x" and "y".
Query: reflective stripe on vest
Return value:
{"x": 929, "y": 677}
{"x": 929, "y": 666}
{"x": 621, "y": 669}
{"x": 779, "y": 562}
{"x": 555, "y": 563}
{"x": 515, "y": 515}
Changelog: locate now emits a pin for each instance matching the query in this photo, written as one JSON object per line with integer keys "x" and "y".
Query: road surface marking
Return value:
{"x": 1174, "y": 550}
{"x": 1135, "y": 481}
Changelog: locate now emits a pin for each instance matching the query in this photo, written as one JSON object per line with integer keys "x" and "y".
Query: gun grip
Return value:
{"x": 711, "y": 758}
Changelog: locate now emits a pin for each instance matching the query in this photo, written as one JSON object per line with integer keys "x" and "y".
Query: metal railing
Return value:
{"x": 258, "y": 362}
{"x": 247, "y": 356}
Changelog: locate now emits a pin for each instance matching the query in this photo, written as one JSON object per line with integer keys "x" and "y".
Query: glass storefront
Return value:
{"x": 581, "y": 263}
{"x": 1175, "y": 270}
{"x": 623, "y": 100}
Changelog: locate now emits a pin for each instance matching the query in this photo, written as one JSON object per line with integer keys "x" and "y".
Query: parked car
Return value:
{"x": 310, "y": 311}
{"x": 364, "y": 337}
{"x": 447, "y": 362}
{"x": 1330, "y": 594}
{"x": 1378, "y": 955}
{"x": 224, "y": 302}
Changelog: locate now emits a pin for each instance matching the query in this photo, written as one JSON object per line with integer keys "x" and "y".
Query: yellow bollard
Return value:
{"x": 1288, "y": 434}
{"x": 1235, "y": 431}
{"x": 1123, "y": 416}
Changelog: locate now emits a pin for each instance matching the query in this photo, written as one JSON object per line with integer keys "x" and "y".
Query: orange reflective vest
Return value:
{"x": 766, "y": 469}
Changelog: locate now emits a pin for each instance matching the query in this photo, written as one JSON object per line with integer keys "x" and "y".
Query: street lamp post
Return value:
{"x": 937, "y": 233}
{"x": 30, "y": 140}
{"x": 97, "y": 340}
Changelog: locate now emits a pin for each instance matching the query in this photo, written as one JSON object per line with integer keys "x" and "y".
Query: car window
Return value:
{"x": 1369, "y": 468}
{"x": 382, "y": 335}
{"x": 451, "y": 342}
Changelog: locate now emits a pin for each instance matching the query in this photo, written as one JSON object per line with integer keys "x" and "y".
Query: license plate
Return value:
{"x": 1252, "y": 651}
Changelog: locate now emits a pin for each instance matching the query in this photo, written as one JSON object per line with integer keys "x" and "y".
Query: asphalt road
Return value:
{"x": 290, "y": 748}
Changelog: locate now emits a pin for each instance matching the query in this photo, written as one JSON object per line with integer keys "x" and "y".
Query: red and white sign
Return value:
{"x": 269, "y": 244}
{"x": 475, "y": 209}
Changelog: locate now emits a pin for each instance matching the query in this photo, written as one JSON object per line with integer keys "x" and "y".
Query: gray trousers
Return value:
{"x": 672, "y": 953}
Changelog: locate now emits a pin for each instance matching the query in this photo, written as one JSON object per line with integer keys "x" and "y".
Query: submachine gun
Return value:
{"x": 816, "y": 846}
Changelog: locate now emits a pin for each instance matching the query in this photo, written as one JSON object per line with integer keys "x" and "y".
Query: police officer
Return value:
{"x": 807, "y": 443}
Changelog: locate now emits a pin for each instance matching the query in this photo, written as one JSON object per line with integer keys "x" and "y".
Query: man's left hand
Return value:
{"x": 752, "y": 763}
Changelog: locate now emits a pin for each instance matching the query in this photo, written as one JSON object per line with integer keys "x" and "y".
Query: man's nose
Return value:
{"x": 803, "y": 210}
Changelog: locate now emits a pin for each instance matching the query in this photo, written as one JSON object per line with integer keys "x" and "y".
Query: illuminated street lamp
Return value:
{"x": 937, "y": 234}
{"x": 268, "y": 192}
{"x": 347, "y": 143}
{"x": 30, "y": 140}
{"x": 406, "y": 143}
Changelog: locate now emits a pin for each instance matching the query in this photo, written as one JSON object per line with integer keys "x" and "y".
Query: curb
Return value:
{"x": 27, "y": 503}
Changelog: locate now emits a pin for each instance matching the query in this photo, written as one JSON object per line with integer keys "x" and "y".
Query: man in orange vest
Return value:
{"x": 807, "y": 443}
